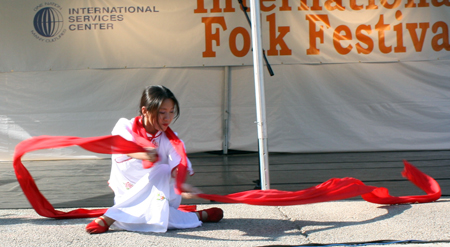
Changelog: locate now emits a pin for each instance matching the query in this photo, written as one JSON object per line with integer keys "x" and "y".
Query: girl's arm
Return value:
{"x": 190, "y": 192}
{"x": 151, "y": 155}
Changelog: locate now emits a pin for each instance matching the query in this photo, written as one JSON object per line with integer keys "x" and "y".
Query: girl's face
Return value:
{"x": 165, "y": 116}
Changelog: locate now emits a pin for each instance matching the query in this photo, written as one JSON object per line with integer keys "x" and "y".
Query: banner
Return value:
{"x": 41, "y": 35}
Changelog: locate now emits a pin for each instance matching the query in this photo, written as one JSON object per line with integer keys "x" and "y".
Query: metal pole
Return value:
{"x": 226, "y": 109}
{"x": 259, "y": 94}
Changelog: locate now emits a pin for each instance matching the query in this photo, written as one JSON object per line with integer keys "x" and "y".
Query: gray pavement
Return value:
{"x": 245, "y": 225}
{"x": 82, "y": 183}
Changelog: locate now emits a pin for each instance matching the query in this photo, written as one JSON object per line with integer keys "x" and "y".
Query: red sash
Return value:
{"x": 140, "y": 137}
{"x": 333, "y": 189}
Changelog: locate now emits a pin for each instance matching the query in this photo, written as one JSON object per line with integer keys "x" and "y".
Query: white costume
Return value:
{"x": 145, "y": 199}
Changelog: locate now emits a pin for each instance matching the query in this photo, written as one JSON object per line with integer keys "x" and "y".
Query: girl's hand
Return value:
{"x": 174, "y": 172}
{"x": 151, "y": 155}
{"x": 189, "y": 188}
{"x": 189, "y": 191}
{"x": 187, "y": 195}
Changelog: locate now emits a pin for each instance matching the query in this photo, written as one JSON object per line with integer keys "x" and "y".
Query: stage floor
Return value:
{"x": 83, "y": 183}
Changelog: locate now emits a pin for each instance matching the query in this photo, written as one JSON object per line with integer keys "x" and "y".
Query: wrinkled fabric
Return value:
{"x": 140, "y": 135}
{"x": 103, "y": 144}
{"x": 144, "y": 195}
{"x": 337, "y": 189}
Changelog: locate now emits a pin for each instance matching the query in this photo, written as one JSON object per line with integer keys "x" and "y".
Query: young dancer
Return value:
{"x": 144, "y": 183}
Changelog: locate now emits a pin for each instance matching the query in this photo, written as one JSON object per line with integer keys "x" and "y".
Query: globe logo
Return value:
{"x": 48, "y": 22}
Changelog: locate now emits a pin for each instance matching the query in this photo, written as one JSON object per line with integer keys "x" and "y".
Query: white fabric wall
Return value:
{"x": 346, "y": 107}
{"x": 310, "y": 108}
{"x": 89, "y": 102}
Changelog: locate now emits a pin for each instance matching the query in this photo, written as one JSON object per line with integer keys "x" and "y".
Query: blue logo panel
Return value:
{"x": 48, "y": 22}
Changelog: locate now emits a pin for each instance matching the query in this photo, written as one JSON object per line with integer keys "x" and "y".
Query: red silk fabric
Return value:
{"x": 182, "y": 167}
{"x": 140, "y": 136}
{"x": 423, "y": 181}
{"x": 333, "y": 189}
{"x": 104, "y": 144}
{"x": 337, "y": 189}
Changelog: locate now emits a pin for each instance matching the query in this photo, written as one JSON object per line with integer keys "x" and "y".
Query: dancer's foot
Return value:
{"x": 98, "y": 225}
{"x": 210, "y": 215}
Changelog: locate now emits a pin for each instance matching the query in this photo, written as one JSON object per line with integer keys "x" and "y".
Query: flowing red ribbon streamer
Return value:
{"x": 333, "y": 189}
{"x": 337, "y": 189}
{"x": 103, "y": 144}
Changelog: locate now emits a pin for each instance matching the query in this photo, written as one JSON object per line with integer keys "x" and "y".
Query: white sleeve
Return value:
{"x": 123, "y": 128}
{"x": 190, "y": 169}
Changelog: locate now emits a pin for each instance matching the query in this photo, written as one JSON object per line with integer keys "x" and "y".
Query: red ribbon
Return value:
{"x": 140, "y": 137}
{"x": 103, "y": 144}
{"x": 337, "y": 189}
{"x": 333, "y": 189}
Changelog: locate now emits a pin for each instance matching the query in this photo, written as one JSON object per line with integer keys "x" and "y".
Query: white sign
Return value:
{"x": 66, "y": 35}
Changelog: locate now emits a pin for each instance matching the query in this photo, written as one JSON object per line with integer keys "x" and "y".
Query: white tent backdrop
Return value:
{"x": 381, "y": 80}
{"x": 310, "y": 108}
{"x": 91, "y": 102}
{"x": 351, "y": 107}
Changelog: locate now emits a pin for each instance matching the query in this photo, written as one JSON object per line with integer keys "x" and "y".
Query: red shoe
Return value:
{"x": 214, "y": 215}
{"x": 94, "y": 227}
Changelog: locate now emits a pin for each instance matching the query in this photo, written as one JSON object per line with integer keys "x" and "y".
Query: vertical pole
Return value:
{"x": 259, "y": 94}
{"x": 226, "y": 108}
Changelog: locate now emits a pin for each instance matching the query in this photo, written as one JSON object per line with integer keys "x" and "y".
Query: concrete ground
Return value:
{"x": 82, "y": 183}
{"x": 243, "y": 225}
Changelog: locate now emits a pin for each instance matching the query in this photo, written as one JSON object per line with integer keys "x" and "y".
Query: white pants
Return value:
{"x": 151, "y": 205}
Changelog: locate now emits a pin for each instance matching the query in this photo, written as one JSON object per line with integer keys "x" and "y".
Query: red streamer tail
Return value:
{"x": 104, "y": 144}
{"x": 423, "y": 181}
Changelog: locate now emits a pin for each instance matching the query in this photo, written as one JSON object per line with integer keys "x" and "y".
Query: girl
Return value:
{"x": 145, "y": 198}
